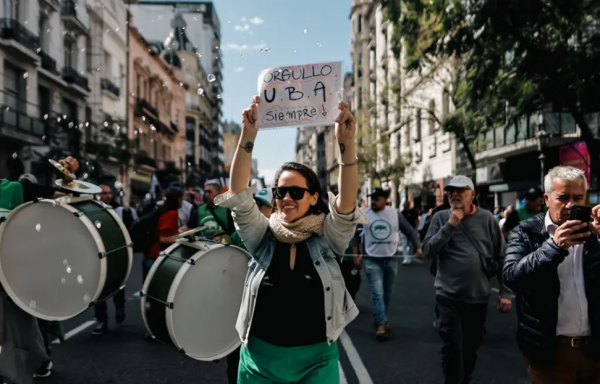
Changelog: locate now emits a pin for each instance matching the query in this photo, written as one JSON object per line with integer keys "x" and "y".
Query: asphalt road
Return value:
{"x": 411, "y": 356}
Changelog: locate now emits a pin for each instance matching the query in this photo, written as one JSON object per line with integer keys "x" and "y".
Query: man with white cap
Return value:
{"x": 468, "y": 247}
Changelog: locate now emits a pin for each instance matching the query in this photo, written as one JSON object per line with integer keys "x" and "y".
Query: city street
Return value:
{"x": 411, "y": 356}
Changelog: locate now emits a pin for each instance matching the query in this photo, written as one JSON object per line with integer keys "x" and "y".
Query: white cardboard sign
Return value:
{"x": 300, "y": 95}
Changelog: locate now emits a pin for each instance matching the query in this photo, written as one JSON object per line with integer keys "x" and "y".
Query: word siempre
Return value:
{"x": 299, "y": 95}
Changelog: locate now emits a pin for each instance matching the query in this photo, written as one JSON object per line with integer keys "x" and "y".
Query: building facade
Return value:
{"x": 106, "y": 54}
{"x": 203, "y": 30}
{"x": 410, "y": 128}
{"x": 156, "y": 114}
{"x": 44, "y": 84}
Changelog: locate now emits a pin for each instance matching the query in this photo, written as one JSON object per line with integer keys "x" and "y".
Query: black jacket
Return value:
{"x": 530, "y": 270}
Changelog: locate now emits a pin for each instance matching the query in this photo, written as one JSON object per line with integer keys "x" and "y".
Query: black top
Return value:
{"x": 290, "y": 308}
{"x": 31, "y": 191}
{"x": 411, "y": 216}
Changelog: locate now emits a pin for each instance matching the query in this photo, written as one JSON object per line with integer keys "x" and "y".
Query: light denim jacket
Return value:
{"x": 253, "y": 228}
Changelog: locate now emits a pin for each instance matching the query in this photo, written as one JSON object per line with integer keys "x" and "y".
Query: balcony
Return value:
{"x": 110, "y": 87}
{"x": 71, "y": 76}
{"x": 19, "y": 39}
{"x": 72, "y": 20}
{"x": 142, "y": 105}
{"x": 48, "y": 63}
{"x": 17, "y": 125}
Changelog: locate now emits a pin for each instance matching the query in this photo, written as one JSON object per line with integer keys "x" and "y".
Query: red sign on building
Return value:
{"x": 577, "y": 156}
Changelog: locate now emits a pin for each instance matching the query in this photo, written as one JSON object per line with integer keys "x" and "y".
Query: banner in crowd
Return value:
{"x": 301, "y": 95}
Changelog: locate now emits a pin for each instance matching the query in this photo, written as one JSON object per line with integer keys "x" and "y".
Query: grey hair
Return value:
{"x": 564, "y": 173}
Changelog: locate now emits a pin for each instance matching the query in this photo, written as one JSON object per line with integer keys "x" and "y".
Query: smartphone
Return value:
{"x": 583, "y": 214}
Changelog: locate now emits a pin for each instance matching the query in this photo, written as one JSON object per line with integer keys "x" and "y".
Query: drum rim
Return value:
{"x": 146, "y": 285}
{"x": 88, "y": 223}
{"x": 127, "y": 238}
{"x": 173, "y": 290}
{"x": 171, "y": 298}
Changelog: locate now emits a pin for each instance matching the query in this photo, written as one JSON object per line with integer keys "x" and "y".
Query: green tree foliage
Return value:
{"x": 529, "y": 54}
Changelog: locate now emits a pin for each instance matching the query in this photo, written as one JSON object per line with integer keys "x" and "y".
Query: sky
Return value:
{"x": 249, "y": 25}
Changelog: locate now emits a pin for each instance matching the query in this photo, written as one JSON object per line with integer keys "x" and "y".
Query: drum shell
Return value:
{"x": 159, "y": 297}
{"x": 110, "y": 269}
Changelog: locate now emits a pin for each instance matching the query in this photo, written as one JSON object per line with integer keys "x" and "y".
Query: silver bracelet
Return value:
{"x": 348, "y": 165}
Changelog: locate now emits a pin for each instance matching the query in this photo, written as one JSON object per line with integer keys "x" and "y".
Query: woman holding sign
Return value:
{"x": 295, "y": 304}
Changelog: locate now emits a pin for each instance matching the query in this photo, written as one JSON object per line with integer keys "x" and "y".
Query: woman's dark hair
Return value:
{"x": 172, "y": 196}
{"x": 312, "y": 183}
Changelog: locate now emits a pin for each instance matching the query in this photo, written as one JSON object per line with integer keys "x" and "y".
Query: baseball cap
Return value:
{"x": 533, "y": 194}
{"x": 265, "y": 195}
{"x": 28, "y": 178}
{"x": 460, "y": 182}
{"x": 175, "y": 184}
{"x": 379, "y": 192}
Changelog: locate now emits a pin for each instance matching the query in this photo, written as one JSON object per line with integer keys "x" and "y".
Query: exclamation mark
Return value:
{"x": 324, "y": 111}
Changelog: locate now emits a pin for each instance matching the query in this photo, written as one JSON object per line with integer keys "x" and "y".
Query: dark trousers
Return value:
{"x": 352, "y": 281}
{"x": 100, "y": 309}
{"x": 233, "y": 365}
{"x": 44, "y": 329}
{"x": 461, "y": 327}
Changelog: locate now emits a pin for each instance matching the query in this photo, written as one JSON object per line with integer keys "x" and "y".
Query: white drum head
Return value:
{"x": 49, "y": 262}
{"x": 207, "y": 298}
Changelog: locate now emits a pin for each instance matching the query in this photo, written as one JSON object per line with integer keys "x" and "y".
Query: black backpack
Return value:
{"x": 143, "y": 232}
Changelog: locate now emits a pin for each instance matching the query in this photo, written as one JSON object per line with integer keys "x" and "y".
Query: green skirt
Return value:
{"x": 264, "y": 363}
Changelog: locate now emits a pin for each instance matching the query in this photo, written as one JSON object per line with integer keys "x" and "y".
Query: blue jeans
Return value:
{"x": 381, "y": 273}
{"x": 407, "y": 248}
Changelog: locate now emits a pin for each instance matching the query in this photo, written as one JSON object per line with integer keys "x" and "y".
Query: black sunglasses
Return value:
{"x": 296, "y": 193}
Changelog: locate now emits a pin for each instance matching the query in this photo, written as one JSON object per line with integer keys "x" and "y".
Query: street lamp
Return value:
{"x": 543, "y": 141}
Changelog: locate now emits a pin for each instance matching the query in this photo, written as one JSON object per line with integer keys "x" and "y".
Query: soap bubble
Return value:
{"x": 38, "y": 227}
{"x": 211, "y": 78}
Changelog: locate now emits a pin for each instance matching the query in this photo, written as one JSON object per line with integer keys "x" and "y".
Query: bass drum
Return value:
{"x": 192, "y": 297}
{"x": 58, "y": 257}
{"x": 3, "y": 214}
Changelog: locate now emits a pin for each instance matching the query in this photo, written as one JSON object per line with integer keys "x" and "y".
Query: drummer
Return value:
{"x": 18, "y": 329}
{"x": 299, "y": 310}
{"x": 264, "y": 202}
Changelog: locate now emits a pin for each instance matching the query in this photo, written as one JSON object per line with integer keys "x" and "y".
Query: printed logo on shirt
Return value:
{"x": 210, "y": 223}
{"x": 380, "y": 230}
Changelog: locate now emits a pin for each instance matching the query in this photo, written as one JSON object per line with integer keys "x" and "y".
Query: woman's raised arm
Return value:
{"x": 241, "y": 166}
{"x": 345, "y": 131}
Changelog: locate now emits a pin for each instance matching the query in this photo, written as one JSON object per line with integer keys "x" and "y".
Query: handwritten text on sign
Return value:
{"x": 299, "y": 95}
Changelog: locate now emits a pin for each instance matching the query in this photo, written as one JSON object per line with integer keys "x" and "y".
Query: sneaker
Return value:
{"x": 406, "y": 262}
{"x": 120, "y": 315}
{"x": 44, "y": 371}
{"x": 100, "y": 329}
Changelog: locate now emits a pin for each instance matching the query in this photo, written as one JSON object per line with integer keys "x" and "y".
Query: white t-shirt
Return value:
{"x": 184, "y": 213}
{"x": 381, "y": 234}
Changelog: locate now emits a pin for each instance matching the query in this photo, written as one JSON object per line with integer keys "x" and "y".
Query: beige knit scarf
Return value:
{"x": 299, "y": 230}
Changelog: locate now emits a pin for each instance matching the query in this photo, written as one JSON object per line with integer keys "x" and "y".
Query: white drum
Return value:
{"x": 58, "y": 257}
{"x": 192, "y": 297}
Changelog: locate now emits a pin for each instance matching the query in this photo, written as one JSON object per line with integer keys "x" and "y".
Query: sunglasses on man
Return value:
{"x": 460, "y": 191}
{"x": 296, "y": 193}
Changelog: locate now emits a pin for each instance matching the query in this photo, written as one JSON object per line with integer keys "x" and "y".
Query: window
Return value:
{"x": 107, "y": 70}
{"x": 445, "y": 104}
{"x": 44, "y": 37}
{"x": 14, "y": 87}
{"x": 359, "y": 27}
{"x": 88, "y": 53}
{"x": 70, "y": 53}
{"x": 121, "y": 80}
{"x": 13, "y": 9}
{"x": 418, "y": 126}
{"x": 431, "y": 117}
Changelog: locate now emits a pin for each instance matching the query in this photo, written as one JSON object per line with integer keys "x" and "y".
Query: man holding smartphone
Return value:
{"x": 553, "y": 265}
